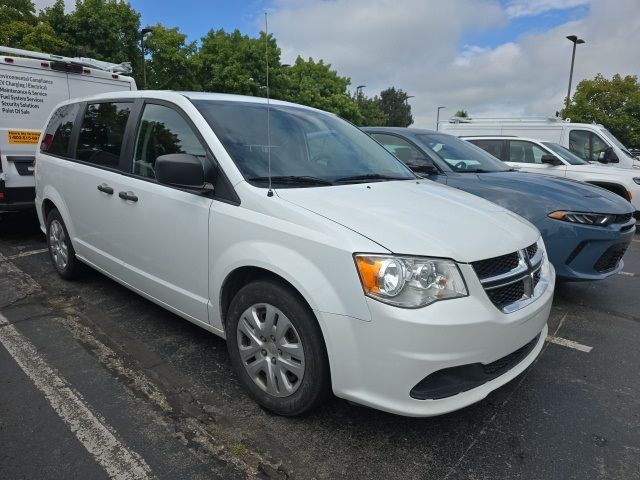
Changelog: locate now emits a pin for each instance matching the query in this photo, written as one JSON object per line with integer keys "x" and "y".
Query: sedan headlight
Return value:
{"x": 583, "y": 218}
{"x": 409, "y": 282}
{"x": 637, "y": 180}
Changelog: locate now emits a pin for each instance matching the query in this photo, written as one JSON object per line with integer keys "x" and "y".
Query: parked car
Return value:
{"x": 534, "y": 156}
{"x": 323, "y": 260}
{"x": 32, "y": 84}
{"x": 586, "y": 229}
{"x": 591, "y": 142}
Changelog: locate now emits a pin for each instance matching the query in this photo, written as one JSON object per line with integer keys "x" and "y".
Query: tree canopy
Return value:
{"x": 227, "y": 62}
{"x": 615, "y": 103}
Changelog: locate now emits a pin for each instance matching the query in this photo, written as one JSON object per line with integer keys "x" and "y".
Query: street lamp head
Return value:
{"x": 144, "y": 31}
{"x": 575, "y": 39}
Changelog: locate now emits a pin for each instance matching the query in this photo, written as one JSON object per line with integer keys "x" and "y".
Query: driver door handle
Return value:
{"x": 129, "y": 196}
{"x": 105, "y": 189}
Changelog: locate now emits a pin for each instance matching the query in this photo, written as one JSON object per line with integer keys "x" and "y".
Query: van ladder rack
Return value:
{"x": 123, "y": 68}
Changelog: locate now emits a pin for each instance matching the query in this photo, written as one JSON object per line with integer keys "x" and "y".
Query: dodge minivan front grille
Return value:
{"x": 511, "y": 281}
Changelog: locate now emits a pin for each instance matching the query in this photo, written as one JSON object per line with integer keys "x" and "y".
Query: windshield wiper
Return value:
{"x": 475, "y": 170}
{"x": 292, "y": 180}
{"x": 367, "y": 177}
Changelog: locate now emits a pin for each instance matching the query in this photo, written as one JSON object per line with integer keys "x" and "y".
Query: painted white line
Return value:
{"x": 27, "y": 254}
{"x": 627, "y": 274}
{"x": 569, "y": 343}
{"x": 93, "y": 433}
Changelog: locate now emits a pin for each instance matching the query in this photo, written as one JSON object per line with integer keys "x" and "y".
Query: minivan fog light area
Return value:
{"x": 409, "y": 282}
{"x": 583, "y": 218}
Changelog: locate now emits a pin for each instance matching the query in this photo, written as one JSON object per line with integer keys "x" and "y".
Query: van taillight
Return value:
{"x": 46, "y": 142}
{"x": 114, "y": 76}
{"x": 44, "y": 64}
{"x": 87, "y": 71}
{"x": 8, "y": 59}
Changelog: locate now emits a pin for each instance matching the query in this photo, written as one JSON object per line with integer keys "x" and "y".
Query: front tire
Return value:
{"x": 61, "y": 251}
{"x": 277, "y": 349}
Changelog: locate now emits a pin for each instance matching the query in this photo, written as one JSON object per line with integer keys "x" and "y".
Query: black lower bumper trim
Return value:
{"x": 451, "y": 381}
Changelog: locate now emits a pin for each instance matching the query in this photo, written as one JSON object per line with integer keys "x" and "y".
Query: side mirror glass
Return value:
{"x": 550, "y": 159}
{"x": 180, "y": 170}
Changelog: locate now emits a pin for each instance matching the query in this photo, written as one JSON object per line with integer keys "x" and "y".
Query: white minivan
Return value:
{"x": 591, "y": 142}
{"x": 31, "y": 85}
{"x": 324, "y": 261}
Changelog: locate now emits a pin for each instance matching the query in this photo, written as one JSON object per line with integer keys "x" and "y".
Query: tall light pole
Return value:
{"x": 359, "y": 92}
{"x": 143, "y": 32}
{"x": 576, "y": 41}
{"x": 438, "y": 117}
{"x": 407, "y": 97}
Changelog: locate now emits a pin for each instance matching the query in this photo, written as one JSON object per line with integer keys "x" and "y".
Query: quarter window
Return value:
{"x": 102, "y": 133}
{"x": 162, "y": 131}
{"x": 58, "y": 132}
{"x": 525, "y": 152}
{"x": 586, "y": 144}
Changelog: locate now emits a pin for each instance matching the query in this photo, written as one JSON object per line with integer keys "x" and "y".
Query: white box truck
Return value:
{"x": 591, "y": 142}
{"x": 31, "y": 84}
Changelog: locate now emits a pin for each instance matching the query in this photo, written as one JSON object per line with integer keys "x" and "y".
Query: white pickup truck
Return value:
{"x": 31, "y": 84}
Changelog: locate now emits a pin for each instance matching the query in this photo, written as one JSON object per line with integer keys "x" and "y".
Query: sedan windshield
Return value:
{"x": 306, "y": 148}
{"x": 565, "y": 154}
{"x": 460, "y": 155}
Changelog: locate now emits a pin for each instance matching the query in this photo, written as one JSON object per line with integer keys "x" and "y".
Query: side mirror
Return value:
{"x": 550, "y": 159}
{"x": 608, "y": 156}
{"x": 423, "y": 166}
{"x": 180, "y": 170}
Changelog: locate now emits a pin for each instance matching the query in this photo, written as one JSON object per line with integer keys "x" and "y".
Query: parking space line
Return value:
{"x": 568, "y": 343}
{"x": 26, "y": 254}
{"x": 627, "y": 274}
{"x": 118, "y": 461}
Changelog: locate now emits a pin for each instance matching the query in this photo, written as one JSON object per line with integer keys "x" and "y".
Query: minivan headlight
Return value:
{"x": 409, "y": 282}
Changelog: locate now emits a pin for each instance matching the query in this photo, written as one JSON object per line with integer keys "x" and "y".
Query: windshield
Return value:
{"x": 565, "y": 153}
{"x": 615, "y": 141}
{"x": 461, "y": 156}
{"x": 308, "y": 148}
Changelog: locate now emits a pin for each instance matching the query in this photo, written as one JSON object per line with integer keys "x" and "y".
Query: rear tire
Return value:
{"x": 277, "y": 349}
{"x": 61, "y": 251}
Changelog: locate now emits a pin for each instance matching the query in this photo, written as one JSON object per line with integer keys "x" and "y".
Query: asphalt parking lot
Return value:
{"x": 97, "y": 382}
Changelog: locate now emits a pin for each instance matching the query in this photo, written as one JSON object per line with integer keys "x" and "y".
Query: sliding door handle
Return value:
{"x": 104, "y": 188}
{"x": 129, "y": 196}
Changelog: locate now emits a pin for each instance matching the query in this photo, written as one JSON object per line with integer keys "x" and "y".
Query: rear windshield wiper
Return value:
{"x": 292, "y": 180}
{"x": 367, "y": 177}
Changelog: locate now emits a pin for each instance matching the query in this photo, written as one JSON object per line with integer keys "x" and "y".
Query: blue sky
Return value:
{"x": 197, "y": 17}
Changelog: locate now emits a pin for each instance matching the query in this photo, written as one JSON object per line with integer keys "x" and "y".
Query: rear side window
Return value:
{"x": 58, "y": 132}
{"x": 494, "y": 147}
{"x": 102, "y": 133}
{"x": 163, "y": 131}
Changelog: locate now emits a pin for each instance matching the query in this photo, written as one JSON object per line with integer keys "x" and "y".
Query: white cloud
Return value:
{"x": 69, "y": 5}
{"x": 415, "y": 45}
{"x": 525, "y": 8}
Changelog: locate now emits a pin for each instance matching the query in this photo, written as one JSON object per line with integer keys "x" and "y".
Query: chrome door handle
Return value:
{"x": 129, "y": 196}
{"x": 105, "y": 189}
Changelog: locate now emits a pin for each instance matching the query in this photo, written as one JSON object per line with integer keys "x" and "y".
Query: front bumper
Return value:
{"x": 378, "y": 363}
{"x": 575, "y": 250}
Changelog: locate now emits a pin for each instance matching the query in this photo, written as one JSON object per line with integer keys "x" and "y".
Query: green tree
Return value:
{"x": 396, "y": 109}
{"x": 372, "y": 114}
{"x": 18, "y": 11}
{"x": 315, "y": 84}
{"x": 236, "y": 63}
{"x": 171, "y": 65}
{"x": 461, "y": 114}
{"x": 615, "y": 103}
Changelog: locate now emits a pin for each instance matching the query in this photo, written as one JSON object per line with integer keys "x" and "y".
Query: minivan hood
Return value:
{"x": 419, "y": 218}
{"x": 534, "y": 196}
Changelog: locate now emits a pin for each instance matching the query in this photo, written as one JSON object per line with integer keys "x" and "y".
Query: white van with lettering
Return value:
{"x": 31, "y": 85}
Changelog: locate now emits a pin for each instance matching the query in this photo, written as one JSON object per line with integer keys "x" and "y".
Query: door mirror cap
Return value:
{"x": 180, "y": 170}
{"x": 550, "y": 159}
